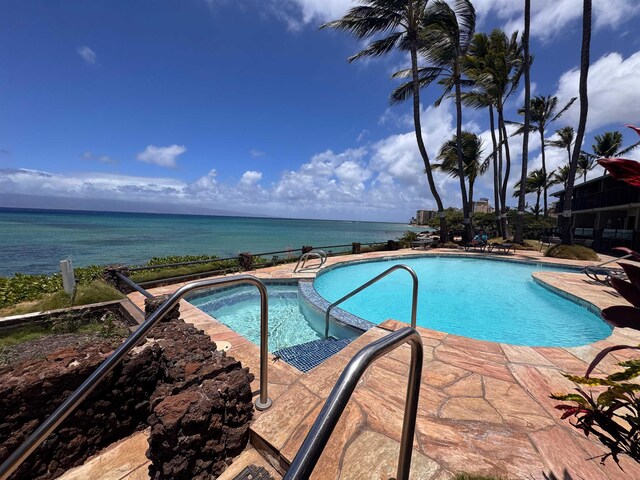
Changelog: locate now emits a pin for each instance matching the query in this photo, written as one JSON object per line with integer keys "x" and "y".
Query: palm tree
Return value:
{"x": 535, "y": 182}
{"x": 586, "y": 163}
{"x": 518, "y": 237}
{"x": 560, "y": 176}
{"x": 609, "y": 145}
{"x": 495, "y": 65}
{"x": 443, "y": 43}
{"x": 471, "y": 157}
{"x": 567, "y": 234}
{"x": 543, "y": 113}
{"x": 566, "y": 136}
{"x": 400, "y": 25}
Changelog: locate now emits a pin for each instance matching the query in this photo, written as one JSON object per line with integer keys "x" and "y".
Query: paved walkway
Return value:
{"x": 484, "y": 406}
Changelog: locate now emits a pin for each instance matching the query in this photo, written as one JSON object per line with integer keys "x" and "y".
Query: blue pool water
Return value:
{"x": 291, "y": 322}
{"x": 484, "y": 299}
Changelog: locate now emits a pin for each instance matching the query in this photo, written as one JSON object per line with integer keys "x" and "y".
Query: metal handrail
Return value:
{"x": 133, "y": 285}
{"x": 319, "y": 254}
{"x": 72, "y": 402}
{"x": 414, "y": 300}
{"x": 317, "y": 438}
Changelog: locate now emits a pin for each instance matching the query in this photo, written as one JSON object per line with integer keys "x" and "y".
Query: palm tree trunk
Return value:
{"x": 496, "y": 181}
{"x": 538, "y": 192}
{"x": 518, "y": 238}
{"x": 463, "y": 188}
{"x": 544, "y": 170}
{"x": 507, "y": 171}
{"x": 567, "y": 234}
{"x": 444, "y": 237}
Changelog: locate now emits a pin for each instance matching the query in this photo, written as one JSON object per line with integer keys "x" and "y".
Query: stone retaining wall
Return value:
{"x": 149, "y": 387}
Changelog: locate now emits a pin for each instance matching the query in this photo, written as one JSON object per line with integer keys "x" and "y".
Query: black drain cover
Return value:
{"x": 253, "y": 472}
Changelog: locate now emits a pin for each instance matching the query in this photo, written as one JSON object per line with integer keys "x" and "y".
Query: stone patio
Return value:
{"x": 484, "y": 407}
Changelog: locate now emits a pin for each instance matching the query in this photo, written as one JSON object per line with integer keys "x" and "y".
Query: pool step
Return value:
{"x": 311, "y": 354}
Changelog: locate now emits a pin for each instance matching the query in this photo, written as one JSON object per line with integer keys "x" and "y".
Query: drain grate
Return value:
{"x": 311, "y": 354}
{"x": 253, "y": 472}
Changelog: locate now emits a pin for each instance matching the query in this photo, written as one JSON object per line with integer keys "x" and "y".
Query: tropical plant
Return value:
{"x": 395, "y": 24}
{"x": 535, "y": 182}
{"x": 518, "y": 238}
{"x": 443, "y": 42}
{"x": 544, "y": 111}
{"x": 560, "y": 176}
{"x": 608, "y": 145}
{"x": 566, "y": 136}
{"x": 494, "y": 64}
{"x": 567, "y": 233}
{"x": 613, "y": 417}
{"x": 585, "y": 165}
{"x": 474, "y": 166}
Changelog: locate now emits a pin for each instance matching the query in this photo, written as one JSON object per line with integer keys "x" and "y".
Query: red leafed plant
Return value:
{"x": 623, "y": 169}
{"x": 613, "y": 414}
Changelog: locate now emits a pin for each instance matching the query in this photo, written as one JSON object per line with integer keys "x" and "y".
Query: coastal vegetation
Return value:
{"x": 572, "y": 252}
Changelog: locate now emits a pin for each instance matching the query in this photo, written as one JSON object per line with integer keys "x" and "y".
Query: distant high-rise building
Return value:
{"x": 423, "y": 216}
{"x": 482, "y": 206}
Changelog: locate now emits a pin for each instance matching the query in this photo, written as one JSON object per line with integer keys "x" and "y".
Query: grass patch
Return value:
{"x": 25, "y": 334}
{"x": 571, "y": 252}
{"x": 94, "y": 292}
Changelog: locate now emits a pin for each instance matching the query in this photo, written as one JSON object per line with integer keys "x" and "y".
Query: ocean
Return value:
{"x": 34, "y": 241}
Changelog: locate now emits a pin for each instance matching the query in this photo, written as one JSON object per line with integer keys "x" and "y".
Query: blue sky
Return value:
{"x": 246, "y": 106}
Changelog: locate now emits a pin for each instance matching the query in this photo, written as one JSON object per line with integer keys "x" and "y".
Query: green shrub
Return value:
{"x": 571, "y": 252}
{"x": 95, "y": 292}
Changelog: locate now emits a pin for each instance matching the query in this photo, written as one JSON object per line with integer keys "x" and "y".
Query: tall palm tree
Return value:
{"x": 535, "y": 182}
{"x": 495, "y": 64}
{"x": 543, "y": 113}
{"x": 396, "y": 24}
{"x": 609, "y": 145}
{"x": 444, "y": 40}
{"x": 586, "y": 163}
{"x": 519, "y": 236}
{"x": 560, "y": 176}
{"x": 567, "y": 234}
{"x": 566, "y": 136}
{"x": 474, "y": 166}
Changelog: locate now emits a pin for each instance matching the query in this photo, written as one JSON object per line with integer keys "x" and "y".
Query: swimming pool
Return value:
{"x": 291, "y": 320}
{"x": 478, "y": 298}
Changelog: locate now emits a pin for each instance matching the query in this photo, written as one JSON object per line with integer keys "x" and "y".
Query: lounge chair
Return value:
{"x": 424, "y": 243}
{"x": 479, "y": 246}
{"x": 504, "y": 247}
{"x": 601, "y": 274}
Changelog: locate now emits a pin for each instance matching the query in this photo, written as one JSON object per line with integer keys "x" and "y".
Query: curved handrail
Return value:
{"x": 319, "y": 254}
{"x": 414, "y": 300}
{"x": 317, "y": 438}
{"x": 72, "y": 402}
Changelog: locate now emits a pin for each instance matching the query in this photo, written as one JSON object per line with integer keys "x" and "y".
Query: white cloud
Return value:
{"x": 88, "y": 55}
{"x": 614, "y": 96}
{"x": 90, "y": 156}
{"x": 255, "y": 153}
{"x": 550, "y": 17}
{"x": 250, "y": 177}
{"x": 162, "y": 156}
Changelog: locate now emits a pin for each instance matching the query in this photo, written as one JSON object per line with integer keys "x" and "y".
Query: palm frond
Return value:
{"x": 379, "y": 47}
{"x": 564, "y": 109}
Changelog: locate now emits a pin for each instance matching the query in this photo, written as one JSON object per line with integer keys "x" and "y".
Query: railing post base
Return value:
{"x": 263, "y": 406}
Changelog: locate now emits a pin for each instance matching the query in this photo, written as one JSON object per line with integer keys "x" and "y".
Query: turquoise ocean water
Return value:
{"x": 34, "y": 241}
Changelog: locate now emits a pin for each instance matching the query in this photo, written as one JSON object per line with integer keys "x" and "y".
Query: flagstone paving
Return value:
{"x": 484, "y": 406}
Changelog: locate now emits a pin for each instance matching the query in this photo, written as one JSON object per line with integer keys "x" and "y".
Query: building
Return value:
{"x": 482, "y": 206}
{"x": 605, "y": 212}
{"x": 423, "y": 216}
